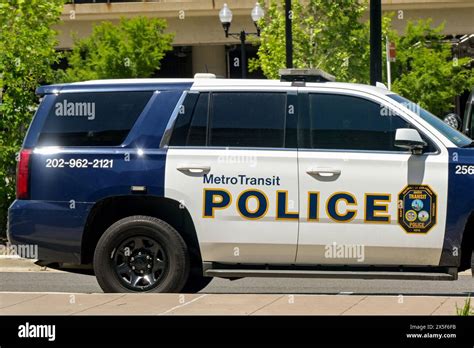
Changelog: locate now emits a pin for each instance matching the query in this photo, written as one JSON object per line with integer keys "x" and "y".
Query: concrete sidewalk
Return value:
{"x": 223, "y": 304}
{"x": 16, "y": 264}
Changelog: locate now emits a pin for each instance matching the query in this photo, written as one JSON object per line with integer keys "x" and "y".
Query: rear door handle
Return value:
{"x": 193, "y": 168}
{"x": 326, "y": 172}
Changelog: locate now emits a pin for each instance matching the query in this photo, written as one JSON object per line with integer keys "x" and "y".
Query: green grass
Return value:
{"x": 466, "y": 309}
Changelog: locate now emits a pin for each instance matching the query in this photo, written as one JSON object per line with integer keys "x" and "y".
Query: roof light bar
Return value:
{"x": 305, "y": 75}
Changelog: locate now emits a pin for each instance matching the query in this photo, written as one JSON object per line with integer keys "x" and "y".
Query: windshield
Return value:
{"x": 469, "y": 117}
{"x": 452, "y": 134}
{"x": 472, "y": 120}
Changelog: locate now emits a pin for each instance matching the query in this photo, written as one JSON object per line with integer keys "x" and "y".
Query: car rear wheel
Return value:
{"x": 141, "y": 254}
{"x": 472, "y": 263}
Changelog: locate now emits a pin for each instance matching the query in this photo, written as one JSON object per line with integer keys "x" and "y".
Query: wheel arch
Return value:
{"x": 111, "y": 209}
{"x": 467, "y": 244}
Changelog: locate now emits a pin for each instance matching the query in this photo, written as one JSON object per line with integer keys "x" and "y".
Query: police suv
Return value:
{"x": 161, "y": 185}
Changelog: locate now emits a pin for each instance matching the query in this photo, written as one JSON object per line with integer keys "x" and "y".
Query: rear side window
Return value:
{"x": 247, "y": 119}
{"x": 191, "y": 124}
{"x": 350, "y": 123}
{"x": 92, "y": 119}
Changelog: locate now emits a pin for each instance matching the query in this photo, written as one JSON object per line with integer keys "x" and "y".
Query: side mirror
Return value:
{"x": 410, "y": 139}
{"x": 453, "y": 120}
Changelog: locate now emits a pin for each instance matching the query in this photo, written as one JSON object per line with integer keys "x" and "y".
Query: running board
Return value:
{"x": 242, "y": 273}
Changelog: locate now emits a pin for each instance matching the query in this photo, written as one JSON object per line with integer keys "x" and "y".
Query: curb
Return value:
{"x": 17, "y": 264}
{"x": 224, "y": 304}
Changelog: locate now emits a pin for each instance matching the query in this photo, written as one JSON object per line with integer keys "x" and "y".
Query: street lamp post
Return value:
{"x": 289, "y": 35}
{"x": 225, "y": 16}
{"x": 375, "y": 41}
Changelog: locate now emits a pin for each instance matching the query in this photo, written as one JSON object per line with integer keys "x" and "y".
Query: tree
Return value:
{"x": 134, "y": 48}
{"x": 326, "y": 34}
{"x": 26, "y": 55}
{"x": 330, "y": 35}
{"x": 425, "y": 70}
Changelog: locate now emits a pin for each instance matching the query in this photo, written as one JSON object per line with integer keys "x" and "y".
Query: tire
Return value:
{"x": 472, "y": 263}
{"x": 195, "y": 283}
{"x": 141, "y": 254}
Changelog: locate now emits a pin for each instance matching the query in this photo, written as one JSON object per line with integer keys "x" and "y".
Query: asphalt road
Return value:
{"x": 68, "y": 282}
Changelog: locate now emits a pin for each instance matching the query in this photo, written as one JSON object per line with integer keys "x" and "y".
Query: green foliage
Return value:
{"x": 330, "y": 35}
{"x": 425, "y": 70}
{"x": 26, "y": 54}
{"x": 326, "y": 35}
{"x": 466, "y": 309}
{"x": 134, "y": 48}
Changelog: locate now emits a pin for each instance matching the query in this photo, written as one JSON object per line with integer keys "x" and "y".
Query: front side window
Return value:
{"x": 247, "y": 119}
{"x": 343, "y": 122}
{"x": 92, "y": 119}
{"x": 449, "y": 132}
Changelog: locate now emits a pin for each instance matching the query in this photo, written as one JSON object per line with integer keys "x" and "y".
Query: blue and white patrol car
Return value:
{"x": 161, "y": 185}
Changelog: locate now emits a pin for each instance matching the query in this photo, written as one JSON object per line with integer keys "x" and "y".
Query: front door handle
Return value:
{"x": 325, "y": 172}
{"x": 194, "y": 168}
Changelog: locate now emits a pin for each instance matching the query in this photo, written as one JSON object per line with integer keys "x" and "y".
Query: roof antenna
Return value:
{"x": 207, "y": 70}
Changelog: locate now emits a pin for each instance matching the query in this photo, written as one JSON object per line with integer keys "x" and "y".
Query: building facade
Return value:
{"x": 200, "y": 43}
